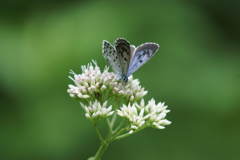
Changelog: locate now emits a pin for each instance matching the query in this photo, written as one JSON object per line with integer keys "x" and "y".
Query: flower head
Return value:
{"x": 155, "y": 114}
{"x": 93, "y": 84}
{"x": 94, "y": 88}
{"x": 141, "y": 116}
{"x": 96, "y": 111}
{"x": 130, "y": 112}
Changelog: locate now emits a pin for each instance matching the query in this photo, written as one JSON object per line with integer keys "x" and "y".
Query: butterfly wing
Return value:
{"x": 123, "y": 50}
{"x": 111, "y": 56}
{"x": 141, "y": 55}
{"x": 133, "y": 49}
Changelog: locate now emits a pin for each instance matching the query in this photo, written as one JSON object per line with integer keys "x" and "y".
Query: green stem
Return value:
{"x": 101, "y": 150}
{"x": 114, "y": 118}
{"x": 119, "y": 126}
{"x": 127, "y": 134}
{"x": 122, "y": 130}
{"x": 109, "y": 128}
{"x": 99, "y": 135}
{"x": 122, "y": 136}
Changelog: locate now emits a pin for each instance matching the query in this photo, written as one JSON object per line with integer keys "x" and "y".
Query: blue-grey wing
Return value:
{"x": 133, "y": 49}
{"x": 111, "y": 56}
{"x": 123, "y": 50}
{"x": 141, "y": 55}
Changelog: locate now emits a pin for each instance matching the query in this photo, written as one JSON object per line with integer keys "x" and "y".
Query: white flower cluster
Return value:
{"x": 155, "y": 113}
{"x": 93, "y": 89}
{"x": 151, "y": 115}
{"x": 130, "y": 112}
{"x": 95, "y": 111}
{"x": 92, "y": 84}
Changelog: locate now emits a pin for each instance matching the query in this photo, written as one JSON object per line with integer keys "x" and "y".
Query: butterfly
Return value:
{"x": 125, "y": 59}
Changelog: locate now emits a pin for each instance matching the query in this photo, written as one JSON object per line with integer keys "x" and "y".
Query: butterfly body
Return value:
{"x": 125, "y": 59}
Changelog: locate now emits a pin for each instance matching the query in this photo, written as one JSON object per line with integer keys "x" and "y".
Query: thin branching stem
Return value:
{"x": 114, "y": 118}
{"x": 120, "y": 125}
{"x": 122, "y": 136}
{"x": 99, "y": 135}
{"x": 127, "y": 134}
{"x": 109, "y": 128}
{"x": 122, "y": 130}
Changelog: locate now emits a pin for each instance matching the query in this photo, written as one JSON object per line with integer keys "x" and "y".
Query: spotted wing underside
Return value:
{"x": 112, "y": 58}
{"x": 123, "y": 50}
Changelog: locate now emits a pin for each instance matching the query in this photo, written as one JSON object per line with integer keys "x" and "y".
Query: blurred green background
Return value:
{"x": 196, "y": 72}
